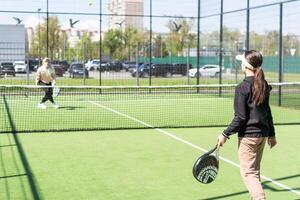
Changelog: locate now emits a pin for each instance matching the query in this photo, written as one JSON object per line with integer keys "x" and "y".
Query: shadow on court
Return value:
{"x": 10, "y": 172}
{"x": 265, "y": 186}
{"x": 22, "y": 156}
{"x": 70, "y": 107}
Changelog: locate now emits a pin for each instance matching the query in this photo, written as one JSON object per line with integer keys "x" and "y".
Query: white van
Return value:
{"x": 20, "y": 67}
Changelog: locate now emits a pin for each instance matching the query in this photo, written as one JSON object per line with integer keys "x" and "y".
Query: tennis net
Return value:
{"x": 102, "y": 108}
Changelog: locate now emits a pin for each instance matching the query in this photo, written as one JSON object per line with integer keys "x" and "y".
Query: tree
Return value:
{"x": 142, "y": 42}
{"x": 64, "y": 44}
{"x": 113, "y": 40}
{"x": 291, "y": 41}
{"x": 160, "y": 48}
{"x": 179, "y": 31}
{"x": 55, "y": 37}
{"x": 85, "y": 47}
{"x": 129, "y": 36}
{"x": 232, "y": 40}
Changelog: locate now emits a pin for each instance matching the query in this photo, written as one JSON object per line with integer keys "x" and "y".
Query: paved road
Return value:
{"x": 107, "y": 75}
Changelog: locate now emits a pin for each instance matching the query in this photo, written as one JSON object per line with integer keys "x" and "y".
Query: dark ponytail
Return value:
{"x": 260, "y": 89}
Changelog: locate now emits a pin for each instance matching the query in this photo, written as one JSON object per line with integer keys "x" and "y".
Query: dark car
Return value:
{"x": 132, "y": 66}
{"x": 33, "y": 64}
{"x": 142, "y": 71}
{"x": 59, "y": 71}
{"x": 62, "y": 63}
{"x": 78, "y": 70}
{"x": 165, "y": 70}
{"x": 128, "y": 66}
{"x": 7, "y": 68}
{"x": 181, "y": 69}
{"x": 111, "y": 66}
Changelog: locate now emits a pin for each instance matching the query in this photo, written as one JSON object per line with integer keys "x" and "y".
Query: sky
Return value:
{"x": 261, "y": 19}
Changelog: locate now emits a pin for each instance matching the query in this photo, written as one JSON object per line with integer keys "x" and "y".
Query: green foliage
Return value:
{"x": 123, "y": 44}
{"x": 113, "y": 39}
{"x": 179, "y": 34}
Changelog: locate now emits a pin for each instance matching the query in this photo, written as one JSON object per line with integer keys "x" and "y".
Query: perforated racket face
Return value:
{"x": 206, "y": 167}
{"x": 56, "y": 91}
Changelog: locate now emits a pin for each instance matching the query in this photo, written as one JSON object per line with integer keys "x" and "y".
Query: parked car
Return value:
{"x": 128, "y": 65}
{"x": 77, "y": 70}
{"x": 142, "y": 71}
{"x": 181, "y": 69}
{"x": 59, "y": 71}
{"x": 111, "y": 66}
{"x": 132, "y": 66}
{"x": 7, "y": 68}
{"x": 62, "y": 63}
{"x": 206, "y": 70}
{"x": 33, "y": 64}
{"x": 165, "y": 70}
{"x": 20, "y": 67}
{"x": 92, "y": 65}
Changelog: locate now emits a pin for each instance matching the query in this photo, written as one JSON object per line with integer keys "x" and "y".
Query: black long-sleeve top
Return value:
{"x": 250, "y": 120}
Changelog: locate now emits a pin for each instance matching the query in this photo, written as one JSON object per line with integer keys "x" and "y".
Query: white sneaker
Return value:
{"x": 42, "y": 106}
{"x": 55, "y": 106}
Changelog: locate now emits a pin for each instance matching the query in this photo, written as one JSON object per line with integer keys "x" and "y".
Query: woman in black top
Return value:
{"x": 252, "y": 121}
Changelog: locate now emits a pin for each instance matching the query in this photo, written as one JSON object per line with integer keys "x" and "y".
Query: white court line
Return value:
{"x": 190, "y": 144}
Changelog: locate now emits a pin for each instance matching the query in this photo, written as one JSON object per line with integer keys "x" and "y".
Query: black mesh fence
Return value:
{"x": 142, "y": 43}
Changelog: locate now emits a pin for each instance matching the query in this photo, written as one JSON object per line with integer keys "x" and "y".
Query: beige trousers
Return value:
{"x": 250, "y": 154}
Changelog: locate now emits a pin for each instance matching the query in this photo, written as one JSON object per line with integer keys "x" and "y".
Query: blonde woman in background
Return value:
{"x": 45, "y": 76}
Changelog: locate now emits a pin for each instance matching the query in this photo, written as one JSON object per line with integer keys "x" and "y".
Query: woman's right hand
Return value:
{"x": 221, "y": 140}
{"x": 272, "y": 141}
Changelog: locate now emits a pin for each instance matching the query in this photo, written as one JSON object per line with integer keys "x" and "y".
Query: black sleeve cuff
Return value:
{"x": 227, "y": 136}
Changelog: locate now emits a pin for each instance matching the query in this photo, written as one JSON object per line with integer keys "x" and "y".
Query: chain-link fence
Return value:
{"x": 137, "y": 42}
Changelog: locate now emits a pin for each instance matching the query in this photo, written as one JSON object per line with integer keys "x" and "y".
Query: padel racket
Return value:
{"x": 56, "y": 91}
{"x": 206, "y": 167}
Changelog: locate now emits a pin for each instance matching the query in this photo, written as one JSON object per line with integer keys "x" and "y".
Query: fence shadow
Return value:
{"x": 22, "y": 154}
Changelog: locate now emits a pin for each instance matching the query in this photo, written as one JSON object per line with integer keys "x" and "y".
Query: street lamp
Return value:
{"x": 39, "y": 33}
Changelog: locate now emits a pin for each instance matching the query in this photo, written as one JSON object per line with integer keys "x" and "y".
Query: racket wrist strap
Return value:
{"x": 225, "y": 135}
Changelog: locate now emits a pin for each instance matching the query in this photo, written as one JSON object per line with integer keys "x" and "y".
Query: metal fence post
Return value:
{"x": 150, "y": 45}
{"x": 248, "y": 26}
{"x": 198, "y": 46}
{"x": 47, "y": 30}
{"x": 280, "y": 56}
{"x": 221, "y": 48}
{"x": 100, "y": 44}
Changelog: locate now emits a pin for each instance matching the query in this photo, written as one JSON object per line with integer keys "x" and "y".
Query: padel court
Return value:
{"x": 44, "y": 159}
{"x": 136, "y": 164}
